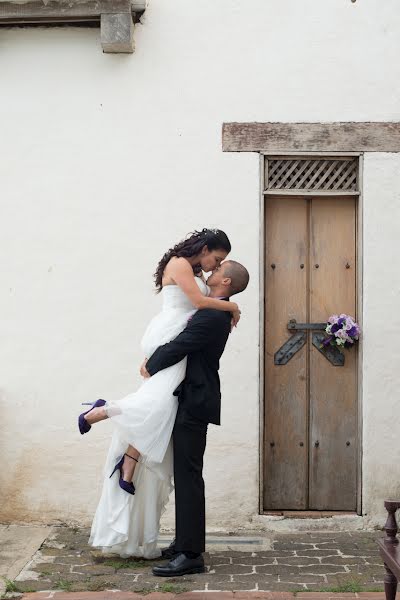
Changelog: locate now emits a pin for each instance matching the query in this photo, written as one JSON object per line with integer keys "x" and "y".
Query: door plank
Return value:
{"x": 333, "y": 405}
{"x": 286, "y": 414}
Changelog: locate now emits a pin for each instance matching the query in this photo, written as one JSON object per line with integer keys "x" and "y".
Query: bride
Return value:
{"x": 139, "y": 468}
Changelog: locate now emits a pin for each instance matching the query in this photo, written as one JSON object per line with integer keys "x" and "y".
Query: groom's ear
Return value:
{"x": 227, "y": 281}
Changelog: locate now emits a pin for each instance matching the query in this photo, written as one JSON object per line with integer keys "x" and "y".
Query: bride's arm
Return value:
{"x": 182, "y": 274}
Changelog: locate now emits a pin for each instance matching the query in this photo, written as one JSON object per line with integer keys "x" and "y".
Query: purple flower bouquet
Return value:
{"x": 342, "y": 331}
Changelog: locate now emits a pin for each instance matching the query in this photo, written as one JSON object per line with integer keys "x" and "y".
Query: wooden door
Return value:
{"x": 310, "y": 457}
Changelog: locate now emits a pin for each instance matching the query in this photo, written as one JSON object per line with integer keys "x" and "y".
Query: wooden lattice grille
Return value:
{"x": 305, "y": 174}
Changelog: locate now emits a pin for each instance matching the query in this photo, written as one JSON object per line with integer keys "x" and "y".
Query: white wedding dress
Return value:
{"x": 125, "y": 524}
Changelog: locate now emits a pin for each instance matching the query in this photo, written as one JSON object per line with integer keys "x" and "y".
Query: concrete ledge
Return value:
{"x": 17, "y": 546}
{"x": 267, "y": 524}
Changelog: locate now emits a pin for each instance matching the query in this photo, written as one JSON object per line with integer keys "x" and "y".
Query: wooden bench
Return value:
{"x": 390, "y": 551}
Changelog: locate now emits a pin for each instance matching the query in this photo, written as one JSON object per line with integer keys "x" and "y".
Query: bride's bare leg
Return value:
{"x": 128, "y": 468}
{"x": 96, "y": 414}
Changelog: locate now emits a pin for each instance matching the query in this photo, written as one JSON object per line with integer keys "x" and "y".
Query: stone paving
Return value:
{"x": 300, "y": 562}
{"x": 115, "y": 595}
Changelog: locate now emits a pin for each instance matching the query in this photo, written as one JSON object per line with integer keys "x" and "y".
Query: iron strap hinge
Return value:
{"x": 299, "y": 338}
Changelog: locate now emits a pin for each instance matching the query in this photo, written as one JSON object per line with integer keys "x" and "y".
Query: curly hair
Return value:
{"x": 193, "y": 244}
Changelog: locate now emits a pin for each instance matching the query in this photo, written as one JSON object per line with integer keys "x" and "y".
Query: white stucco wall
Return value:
{"x": 381, "y": 376}
{"x": 105, "y": 161}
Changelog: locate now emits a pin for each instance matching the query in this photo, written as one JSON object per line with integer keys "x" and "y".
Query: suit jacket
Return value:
{"x": 203, "y": 342}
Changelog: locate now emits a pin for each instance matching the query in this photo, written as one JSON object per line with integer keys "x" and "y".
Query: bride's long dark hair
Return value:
{"x": 193, "y": 244}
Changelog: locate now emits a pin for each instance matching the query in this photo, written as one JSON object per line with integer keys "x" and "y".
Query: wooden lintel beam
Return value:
{"x": 56, "y": 11}
{"x": 311, "y": 137}
{"x": 114, "y": 17}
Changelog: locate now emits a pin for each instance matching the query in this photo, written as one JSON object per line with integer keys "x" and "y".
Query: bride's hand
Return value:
{"x": 143, "y": 371}
{"x": 235, "y": 318}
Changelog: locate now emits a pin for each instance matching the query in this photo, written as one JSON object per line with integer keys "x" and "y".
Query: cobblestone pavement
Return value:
{"x": 113, "y": 595}
{"x": 335, "y": 562}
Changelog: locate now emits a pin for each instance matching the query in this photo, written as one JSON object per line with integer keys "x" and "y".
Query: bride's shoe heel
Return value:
{"x": 127, "y": 486}
{"x": 83, "y": 425}
{"x": 118, "y": 466}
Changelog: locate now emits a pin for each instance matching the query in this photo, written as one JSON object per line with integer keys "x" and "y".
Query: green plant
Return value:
{"x": 350, "y": 586}
{"x": 125, "y": 564}
{"x": 171, "y": 588}
{"x": 63, "y": 584}
{"x": 11, "y": 586}
{"x": 98, "y": 586}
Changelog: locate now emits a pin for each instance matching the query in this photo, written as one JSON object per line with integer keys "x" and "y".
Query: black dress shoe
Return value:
{"x": 169, "y": 552}
{"x": 180, "y": 565}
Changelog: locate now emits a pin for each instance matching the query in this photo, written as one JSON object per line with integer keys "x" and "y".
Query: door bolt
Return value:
{"x": 272, "y": 444}
{"x": 273, "y": 266}
{"x": 347, "y": 266}
{"x": 301, "y": 444}
{"x": 316, "y": 444}
{"x": 301, "y": 266}
{"x": 347, "y": 443}
{"x": 317, "y": 266}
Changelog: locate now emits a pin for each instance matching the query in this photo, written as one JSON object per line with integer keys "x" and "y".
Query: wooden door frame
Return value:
{"x": 359, "y": 287}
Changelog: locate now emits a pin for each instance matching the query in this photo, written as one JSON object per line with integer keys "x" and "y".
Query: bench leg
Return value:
{"x": 390, "y": 582}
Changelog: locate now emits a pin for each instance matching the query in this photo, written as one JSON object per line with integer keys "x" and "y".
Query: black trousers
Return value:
{"x": 189, "y": 438}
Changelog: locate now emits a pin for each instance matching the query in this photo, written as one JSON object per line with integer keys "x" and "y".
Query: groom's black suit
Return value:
{"x": 203, "y": 342}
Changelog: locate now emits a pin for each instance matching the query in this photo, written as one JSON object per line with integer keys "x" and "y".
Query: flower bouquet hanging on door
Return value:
{"x": 342, "y": 332}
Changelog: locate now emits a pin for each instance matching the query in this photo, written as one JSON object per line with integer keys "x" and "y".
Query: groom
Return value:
{"x": 203, "y": 342}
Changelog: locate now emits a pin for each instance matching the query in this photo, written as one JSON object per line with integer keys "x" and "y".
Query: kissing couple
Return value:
{"x": 160, "y": 430}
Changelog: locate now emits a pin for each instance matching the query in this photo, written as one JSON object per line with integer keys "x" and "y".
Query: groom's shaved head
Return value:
{"x": 238, "y": 274}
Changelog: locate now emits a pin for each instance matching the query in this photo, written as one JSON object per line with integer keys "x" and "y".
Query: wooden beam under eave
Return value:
{"x": 114, "y": 17}
{"x": 117, "y": 33}
{"x": 311, "y": 137}
{"x": 56, "y": 11}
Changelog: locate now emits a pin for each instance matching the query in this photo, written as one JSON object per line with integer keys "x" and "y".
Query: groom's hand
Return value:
{"x": 143, "y": 371}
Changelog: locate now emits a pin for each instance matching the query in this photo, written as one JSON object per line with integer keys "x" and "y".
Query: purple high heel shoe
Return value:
{"x": 127, "y": 486}
{"x": 83, "y": 425}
